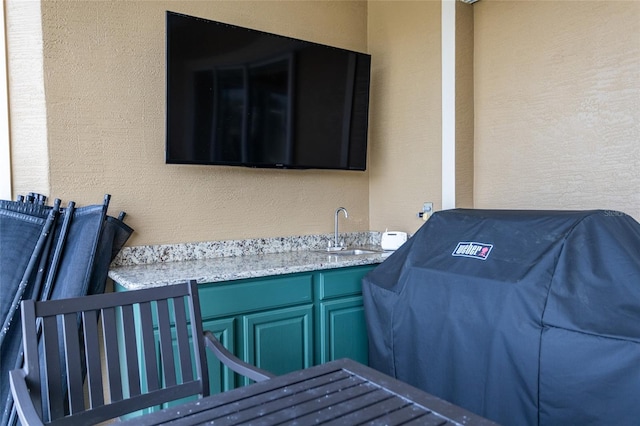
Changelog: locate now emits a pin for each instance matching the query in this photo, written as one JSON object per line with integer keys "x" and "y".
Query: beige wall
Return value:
{"x": 406, "y": 120}
{"x": 557, "y": 105}
{"x": 556, "y": 114}
{"x": 27, "y": 110}
{"x": 104, "y": 82}
{"x": 464, "y": 124}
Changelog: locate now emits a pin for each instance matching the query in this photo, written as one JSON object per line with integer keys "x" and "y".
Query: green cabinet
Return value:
{"x": 265, "y": 321}
{"x": 286, "y": 322}
{"x": 341, "y": 331}
{"x": 220, "y": 378}
{"x": 279, "y": 340}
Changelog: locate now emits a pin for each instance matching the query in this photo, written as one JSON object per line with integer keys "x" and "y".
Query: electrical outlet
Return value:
{"x": 427, "y": 210}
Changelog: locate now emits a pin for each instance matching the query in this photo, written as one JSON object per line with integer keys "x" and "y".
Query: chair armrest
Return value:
{"x": 21, "y": 399}
{"x": 233, "y": 362}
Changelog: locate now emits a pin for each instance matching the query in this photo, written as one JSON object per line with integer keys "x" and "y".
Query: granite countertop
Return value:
{"x": 153, "y": 266}
{"x": 232, "y": 268}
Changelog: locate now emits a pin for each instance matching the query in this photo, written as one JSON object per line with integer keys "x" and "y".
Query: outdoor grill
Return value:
{"x": 523, "y": 317}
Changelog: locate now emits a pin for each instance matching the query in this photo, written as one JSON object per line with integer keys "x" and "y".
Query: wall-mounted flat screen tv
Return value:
{"x": 242, "y": 97}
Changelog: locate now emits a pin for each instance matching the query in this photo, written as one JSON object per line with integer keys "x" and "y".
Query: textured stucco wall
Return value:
{"x": 104, "y": 80}
{"x": 556, "y": 113}
{"x": 464, "y": 105}
{"x": 405, "y": 126}
{"x": 27, "y": 104}
{"x": 557, "y": 105}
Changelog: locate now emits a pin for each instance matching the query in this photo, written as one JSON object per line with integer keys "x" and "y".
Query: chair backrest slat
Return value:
{"x": 130, "y": 350}
{"x": 149, "y": 346}
{"x": 112, "y": 353}
{"x": 92, "y": 356}
{"x": 52, "y": 373}
{"x": 182, "y": 337}
{"x": 74, "y": 363}
{"x": 166, "y": 343}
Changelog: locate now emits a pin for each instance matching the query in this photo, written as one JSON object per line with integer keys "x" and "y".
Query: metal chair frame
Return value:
{"x": 50, "y": 386}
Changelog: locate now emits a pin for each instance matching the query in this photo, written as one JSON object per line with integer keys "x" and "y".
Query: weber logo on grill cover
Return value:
{"x": 472, "y": 249}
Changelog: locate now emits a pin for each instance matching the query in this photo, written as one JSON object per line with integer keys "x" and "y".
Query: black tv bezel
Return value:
{"x": 262, "y": 165}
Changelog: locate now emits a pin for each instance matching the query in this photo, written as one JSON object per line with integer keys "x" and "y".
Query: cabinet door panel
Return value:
{"x": 221, "y": 378}
{"x": 279, "y": 341}
{"x": 343, "y": 330}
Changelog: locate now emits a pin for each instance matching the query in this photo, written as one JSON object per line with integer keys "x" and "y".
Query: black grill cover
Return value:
{"x": 523, "y": 317}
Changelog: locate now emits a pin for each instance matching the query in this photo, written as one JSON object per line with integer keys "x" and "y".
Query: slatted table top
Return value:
{"x": 340, "y": 392}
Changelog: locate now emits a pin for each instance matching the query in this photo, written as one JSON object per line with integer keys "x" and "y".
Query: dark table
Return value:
{"x": 340, "y": 392}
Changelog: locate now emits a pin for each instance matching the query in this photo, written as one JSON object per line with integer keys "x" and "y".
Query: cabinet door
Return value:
{"x": 343, "y": 330}
{"x": 221, "y": 378}
{"x": 279, "y": 340}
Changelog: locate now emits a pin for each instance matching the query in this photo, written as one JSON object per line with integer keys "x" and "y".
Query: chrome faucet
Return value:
{"x": 336, "y": 244}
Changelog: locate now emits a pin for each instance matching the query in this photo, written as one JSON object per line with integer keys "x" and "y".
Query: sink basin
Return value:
{"x": 354, "y": 252}
{"x": 350, "y": 252}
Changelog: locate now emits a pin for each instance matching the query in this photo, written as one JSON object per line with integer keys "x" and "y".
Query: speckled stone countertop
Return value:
{"x": 152, "y": 266}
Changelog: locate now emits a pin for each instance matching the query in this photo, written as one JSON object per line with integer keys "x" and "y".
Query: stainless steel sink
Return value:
{"x": 350, "y": 252}
{"x": 353, "y": 252}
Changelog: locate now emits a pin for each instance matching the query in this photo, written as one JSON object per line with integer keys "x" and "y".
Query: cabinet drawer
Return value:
{"x": 342, "y": 282}
{"x": 254, "y": 294}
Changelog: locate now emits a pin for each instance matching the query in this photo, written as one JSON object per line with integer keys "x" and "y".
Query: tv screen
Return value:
{"x": 242, "y": 97}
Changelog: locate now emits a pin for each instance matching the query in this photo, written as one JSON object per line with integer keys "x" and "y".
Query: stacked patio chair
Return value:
{"x": 49, "y": 252}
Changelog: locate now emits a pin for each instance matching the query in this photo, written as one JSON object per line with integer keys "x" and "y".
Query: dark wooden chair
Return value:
{"x": 146, "y": 333}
